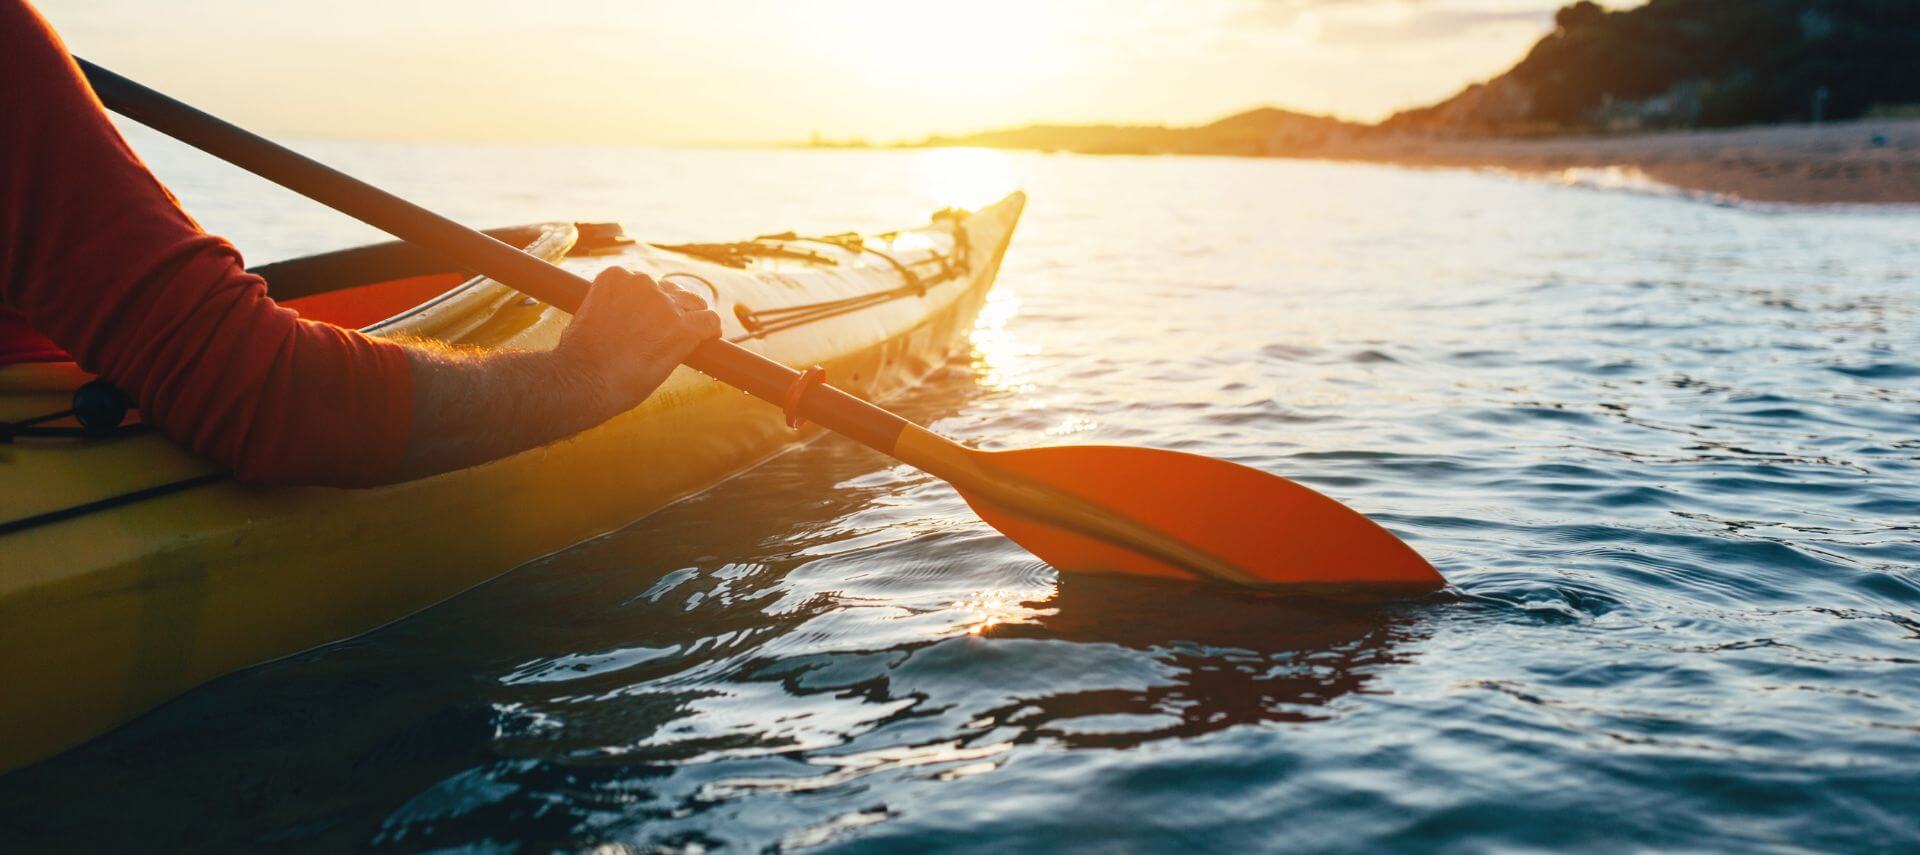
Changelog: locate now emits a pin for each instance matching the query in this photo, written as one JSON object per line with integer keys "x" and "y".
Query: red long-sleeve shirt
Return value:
{"x": 97, "y": 260}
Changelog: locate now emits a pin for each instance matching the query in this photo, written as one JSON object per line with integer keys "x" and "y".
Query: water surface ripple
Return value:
{"x": 1667, "y": 452}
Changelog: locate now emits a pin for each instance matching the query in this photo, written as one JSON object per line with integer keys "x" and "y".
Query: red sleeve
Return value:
{"x": 99, "y": 257}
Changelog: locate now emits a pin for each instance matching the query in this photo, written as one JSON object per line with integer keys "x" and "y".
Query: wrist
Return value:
{"x": 580, "y": 379}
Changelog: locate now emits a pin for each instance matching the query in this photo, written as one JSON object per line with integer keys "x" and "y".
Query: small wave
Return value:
{"x": 1481, "y": 358}
{"x": 1878, "y": 370}
{"x": 575, "y": 666}
{"x": 1632, "y": 179}
{"x": 1289, "y": 352}
{"x": 1564, "y": 599}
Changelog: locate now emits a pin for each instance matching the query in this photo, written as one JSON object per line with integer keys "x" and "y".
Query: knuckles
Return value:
{"x": 618, "y": 274}
{"x": 655, "y": 304}
{"x": 704, "y": 324}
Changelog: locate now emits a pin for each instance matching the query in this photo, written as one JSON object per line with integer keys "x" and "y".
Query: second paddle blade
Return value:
{"x": 1271, "y": 529}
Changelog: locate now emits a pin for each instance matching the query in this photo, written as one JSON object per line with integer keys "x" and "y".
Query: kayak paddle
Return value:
{"x": 1080, "y": 508}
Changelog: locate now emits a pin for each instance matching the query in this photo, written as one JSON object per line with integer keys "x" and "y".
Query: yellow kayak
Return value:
{"x": 131, "y": 570}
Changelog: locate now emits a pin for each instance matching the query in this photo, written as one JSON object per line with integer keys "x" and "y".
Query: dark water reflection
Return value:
{"x": 1229, "y": 658}
{"x": 1668, "y": 454}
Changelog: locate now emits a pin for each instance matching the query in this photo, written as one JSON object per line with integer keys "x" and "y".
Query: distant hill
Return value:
{"x": 1694, "y": 63}
{"x": 1263, "y": 132}
{"x": 1666, "y": 65}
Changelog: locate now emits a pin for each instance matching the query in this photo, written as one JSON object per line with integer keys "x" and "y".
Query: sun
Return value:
{"x": 969, "y": 178}
{"x": 979, "y": 49}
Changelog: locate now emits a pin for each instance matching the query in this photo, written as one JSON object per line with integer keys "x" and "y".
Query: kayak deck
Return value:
{"x": 106, "y": 613}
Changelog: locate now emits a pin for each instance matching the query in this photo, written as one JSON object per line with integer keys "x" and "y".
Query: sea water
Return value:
{"x": 1666, "y": 451}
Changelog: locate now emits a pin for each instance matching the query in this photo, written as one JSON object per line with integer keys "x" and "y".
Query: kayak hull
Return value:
{"x": 109, "y": 613}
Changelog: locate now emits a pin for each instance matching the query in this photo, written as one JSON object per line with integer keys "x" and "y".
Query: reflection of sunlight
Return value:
{"x": 969, "y": 178}
{"x": 988, "y": 609}
{"x": 848, "y": 767}
{"x": 968, "y": 771}
{"x": 1076, "y": 424}
{"x": 999, "y": 357}
{"x": 906, "y": 242}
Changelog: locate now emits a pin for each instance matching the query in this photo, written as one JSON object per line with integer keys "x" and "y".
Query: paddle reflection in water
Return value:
{"x": 1226, "y": 658}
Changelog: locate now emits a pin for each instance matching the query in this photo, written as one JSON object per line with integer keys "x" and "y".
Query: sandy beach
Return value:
{"x": 1866, "y": 162}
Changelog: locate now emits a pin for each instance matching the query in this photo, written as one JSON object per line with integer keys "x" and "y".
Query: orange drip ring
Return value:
{"x": 808, "y": 379}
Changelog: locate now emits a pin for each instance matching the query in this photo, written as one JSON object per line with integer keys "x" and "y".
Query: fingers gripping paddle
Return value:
{"x": 1081, "y": 508}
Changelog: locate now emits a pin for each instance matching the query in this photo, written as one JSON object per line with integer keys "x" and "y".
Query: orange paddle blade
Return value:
{"x": 1140, "y": 510}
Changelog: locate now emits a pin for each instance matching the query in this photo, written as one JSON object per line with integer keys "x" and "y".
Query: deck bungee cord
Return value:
{"x": 759, "y": 322}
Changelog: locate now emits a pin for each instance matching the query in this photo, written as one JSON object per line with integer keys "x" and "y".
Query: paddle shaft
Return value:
{"x": 467, "y": 248}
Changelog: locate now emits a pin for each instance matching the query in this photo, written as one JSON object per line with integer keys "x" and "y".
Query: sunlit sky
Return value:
{"x": 741, "y": 71}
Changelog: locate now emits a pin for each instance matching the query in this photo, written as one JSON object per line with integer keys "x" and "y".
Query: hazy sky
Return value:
{"x": 759, "y": 70}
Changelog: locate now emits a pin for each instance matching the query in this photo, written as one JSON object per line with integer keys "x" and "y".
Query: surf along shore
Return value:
{"x": 1863, "y": 162}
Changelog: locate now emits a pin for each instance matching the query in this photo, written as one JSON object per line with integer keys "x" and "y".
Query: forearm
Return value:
{"x": 471, "y": 406}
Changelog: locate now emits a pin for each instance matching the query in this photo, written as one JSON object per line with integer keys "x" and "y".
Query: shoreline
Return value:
{"x": 1862, "y": 162}
{"x": 1869, "y": 162}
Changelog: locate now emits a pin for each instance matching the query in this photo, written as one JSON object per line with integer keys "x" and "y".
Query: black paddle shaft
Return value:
{"x": 469, "y": 249}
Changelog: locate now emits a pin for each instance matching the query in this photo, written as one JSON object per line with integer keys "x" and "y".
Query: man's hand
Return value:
{"x": 631, "y": 332}
{"x": 472, "y": 406}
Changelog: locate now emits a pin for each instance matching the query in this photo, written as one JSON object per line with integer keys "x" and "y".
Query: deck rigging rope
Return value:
{"x": 761, "y": 322}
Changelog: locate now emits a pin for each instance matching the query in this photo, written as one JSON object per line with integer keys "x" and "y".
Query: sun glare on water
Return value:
{"x": 969, "y": 178}
{"x": 987, "y": 609}
{"x": 1002, "y": 360}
